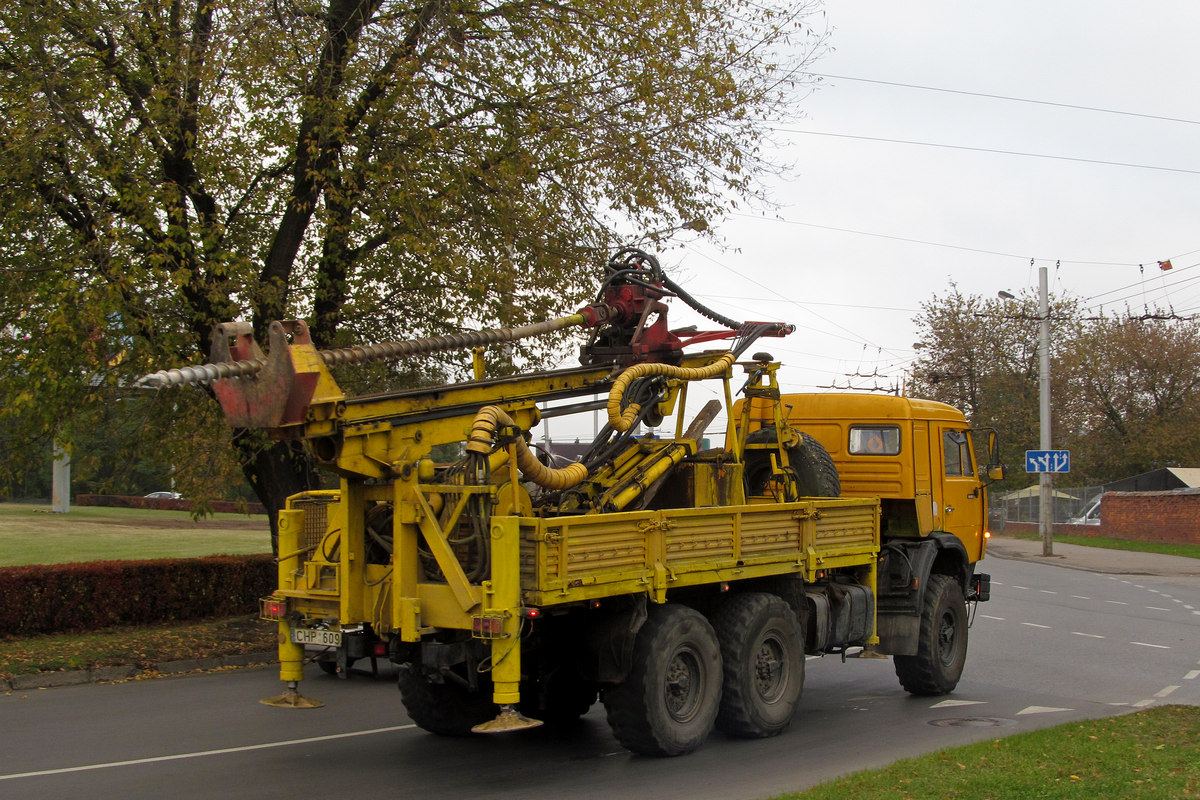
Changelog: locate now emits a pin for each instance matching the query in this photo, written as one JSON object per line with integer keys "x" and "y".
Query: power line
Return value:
{"x": 1006, "y": 97}
{"x": 990, "y": 150}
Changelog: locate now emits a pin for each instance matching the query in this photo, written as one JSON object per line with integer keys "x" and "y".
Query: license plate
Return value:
{"x": 314, "y": 636}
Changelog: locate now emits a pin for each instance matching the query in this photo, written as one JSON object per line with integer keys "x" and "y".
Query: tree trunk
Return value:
{"x": 275, "y": 470}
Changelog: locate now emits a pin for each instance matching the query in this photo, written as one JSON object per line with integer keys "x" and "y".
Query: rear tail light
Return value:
{"x": 272, "y": 608}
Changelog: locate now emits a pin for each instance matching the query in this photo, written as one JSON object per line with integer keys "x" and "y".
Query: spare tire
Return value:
{"x": 816, "y": 474}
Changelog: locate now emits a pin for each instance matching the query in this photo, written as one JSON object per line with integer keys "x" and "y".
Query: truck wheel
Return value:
{"x": 563, "y": 700}
{"x": 816, "y": 474}
{"x": 444, "y": 708}
{"x": 942, "y": 648}
{"x": 762, "y": 654}
{"x": 667, "y": 705}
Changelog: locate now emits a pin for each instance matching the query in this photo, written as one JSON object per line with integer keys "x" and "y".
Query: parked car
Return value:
{"x": 166, "y": 495}
{"x": 1090, "y": 515}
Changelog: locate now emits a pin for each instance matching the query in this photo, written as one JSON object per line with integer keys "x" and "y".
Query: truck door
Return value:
{"x": 962, "y": 512}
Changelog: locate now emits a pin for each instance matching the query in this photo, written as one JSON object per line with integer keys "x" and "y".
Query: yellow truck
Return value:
{"x": 680, "y": 584}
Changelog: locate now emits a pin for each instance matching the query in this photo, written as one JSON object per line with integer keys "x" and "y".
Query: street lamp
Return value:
{"x": 1045, "y": 483}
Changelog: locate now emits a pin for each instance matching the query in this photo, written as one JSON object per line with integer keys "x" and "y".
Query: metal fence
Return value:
{"x": 1024, "y": 505}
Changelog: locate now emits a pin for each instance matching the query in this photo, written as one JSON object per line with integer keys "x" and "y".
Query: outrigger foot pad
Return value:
{"x": 870, "y": 651}
{"x": 507, "y": 721}
{"x": 291, "y": 698}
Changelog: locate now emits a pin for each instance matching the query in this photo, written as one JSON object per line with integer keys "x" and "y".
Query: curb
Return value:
{"x": 51, "y": 680}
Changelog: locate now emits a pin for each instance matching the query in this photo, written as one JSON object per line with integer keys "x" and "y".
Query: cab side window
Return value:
{"x": 957, "y": 454}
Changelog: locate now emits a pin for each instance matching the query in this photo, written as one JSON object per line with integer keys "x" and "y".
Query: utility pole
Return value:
{"x": 1045, "y": 482}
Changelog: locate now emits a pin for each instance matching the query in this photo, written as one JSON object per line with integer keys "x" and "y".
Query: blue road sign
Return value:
{"x": 1047, "y": 460}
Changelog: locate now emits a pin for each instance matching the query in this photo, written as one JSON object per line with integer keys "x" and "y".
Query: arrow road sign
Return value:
{"x": 1047, "y": 460}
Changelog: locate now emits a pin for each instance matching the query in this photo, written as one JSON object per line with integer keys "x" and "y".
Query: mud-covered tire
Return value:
{"x": 668, "y": 703}
{"x": 762, "y": 656}
{"x": 444, "y": 708}
{"x": 562, "y": 701}
{"x": 942, "y": 647}
{"x": 816, "y": 474}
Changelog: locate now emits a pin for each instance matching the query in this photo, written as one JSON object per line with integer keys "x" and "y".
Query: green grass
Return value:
{"x": 1185, "y": 550}
{"x": 141, "y": 647}
{"x": 1151, "y": 754}
{"x": 31, "y": 534}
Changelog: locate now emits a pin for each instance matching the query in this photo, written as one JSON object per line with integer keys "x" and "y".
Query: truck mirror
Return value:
{"x": 996, "y": 473}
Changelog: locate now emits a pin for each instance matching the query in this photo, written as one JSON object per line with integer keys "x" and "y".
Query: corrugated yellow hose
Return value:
{"x": 483, "y": 429}
{"x": 623, "y": 421}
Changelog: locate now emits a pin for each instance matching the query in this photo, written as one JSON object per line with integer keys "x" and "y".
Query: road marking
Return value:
{"x": 1156, "y": 608}
{"x": 203, "y": 753}
{"x": 1026, "y": 588}
{"x": 1089, "y": 635}
{"x": 1080, "y": 597}
{"x": 1191, "y": 676}
{"x": 1146, "y": 644}
{"x": 1169, "y": 597}
{"x": 1035, "y": 625}
{"x": 1143, "y": 703}
{"x": 952, "y": 703}
{"x": 1116, "y": 602}
{"x": 1166, "y": 691}
{"x": 1189, "y": 608}
{"x": 1041, "y": 710}
{"x": 989, "y": 616}
{"x": 1046, "y": 591}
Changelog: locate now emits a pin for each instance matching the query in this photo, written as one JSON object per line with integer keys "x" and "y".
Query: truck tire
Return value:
{"x": 562, "y": 701}
{"x": 668, "y": 703}
{"x": 446, "y": 709}
{"x": 816, "y": 474}
{"x": 762, "y": 655}
{"x": 942, "y": 647}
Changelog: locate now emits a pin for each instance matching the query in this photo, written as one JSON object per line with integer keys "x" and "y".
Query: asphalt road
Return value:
{"x": 1054, "y": 644}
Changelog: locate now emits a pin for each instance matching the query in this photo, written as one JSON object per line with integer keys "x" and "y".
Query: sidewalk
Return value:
{"x": 1094, "y": 559}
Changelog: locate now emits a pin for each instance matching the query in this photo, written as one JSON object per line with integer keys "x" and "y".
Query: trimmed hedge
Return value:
{"x": 166, "y": 504}
{"x": 67, "y": 598}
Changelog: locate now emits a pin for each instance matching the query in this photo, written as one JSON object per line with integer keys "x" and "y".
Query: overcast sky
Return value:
{"x": 869, "y": 229}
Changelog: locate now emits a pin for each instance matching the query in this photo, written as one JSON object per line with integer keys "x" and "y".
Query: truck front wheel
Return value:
{"x": 942, "y": 648}
{"x": 668, "y": 704}
{"x": 762, "y": 654}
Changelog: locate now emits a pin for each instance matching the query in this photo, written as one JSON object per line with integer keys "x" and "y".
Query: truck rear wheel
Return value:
{"x": 942, "y": 648}
{"x": 444, "y": 708}
{"x": 668, "y": 703}
{"x": 762, "y": 654}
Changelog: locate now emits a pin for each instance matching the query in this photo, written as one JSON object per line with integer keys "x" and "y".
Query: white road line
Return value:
{"x": 989, "y": 616}
{"x": 1191, "y": 676}
{"x": 1143, "y": 703}
{"x": 1156, "y": 646}
{"x": 1116, "y": 602}
{"x": 1189, "y": 608}
{"x": 203, "y": 753}
{"x": 1080, "y": 597}
{"x": 1156, "y": 608}
{"x": 1169, "y": 597}
{"x": 1166, "y": 691}
{"x": 1046, "y": 591}
{"x": 1035, "y": 625}
{"x": 1026, "y": 588}
{"x": 1089, "y": 635}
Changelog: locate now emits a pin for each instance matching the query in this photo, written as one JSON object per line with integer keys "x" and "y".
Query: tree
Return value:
{"x": 384, "y": 169}
{"x": 1125, "y": 392}
{"x": 1136, "y": 383}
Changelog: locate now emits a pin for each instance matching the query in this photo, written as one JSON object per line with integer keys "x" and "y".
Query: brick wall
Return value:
{"x": 1170, "y": 517}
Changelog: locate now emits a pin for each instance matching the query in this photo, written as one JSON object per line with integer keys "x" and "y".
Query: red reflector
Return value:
{"x": 380, "y": 648}
{"x": 531, "y": 613}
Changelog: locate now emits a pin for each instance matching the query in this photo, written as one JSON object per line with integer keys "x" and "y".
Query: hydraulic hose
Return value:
{"x": 624, "y": 420}
{"x": 483, "y": 431}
